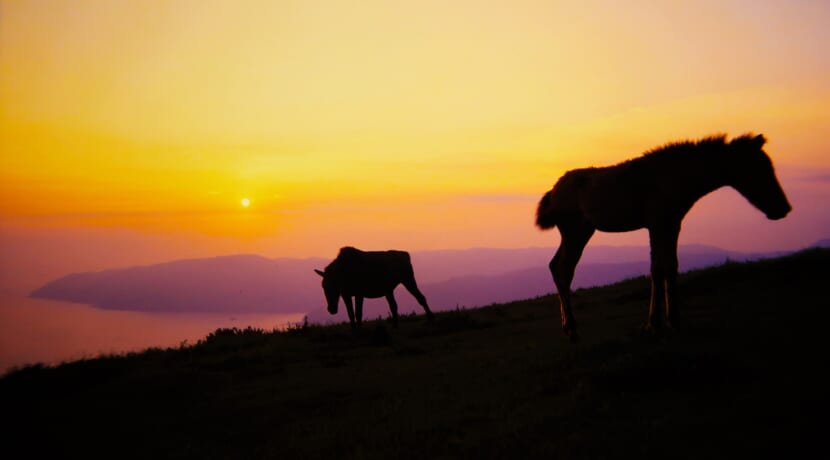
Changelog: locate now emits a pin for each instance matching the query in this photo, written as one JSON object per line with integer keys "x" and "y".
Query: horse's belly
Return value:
{"x": 618, "y": 227}
{"x": 616, "y": 219}
{"x": 371, "y": 291}
{"x": 614, "y": 211}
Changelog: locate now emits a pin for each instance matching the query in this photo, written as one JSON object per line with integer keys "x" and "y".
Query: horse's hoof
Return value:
{"x": 569, "y": 327}
{"x": 649, "y": 330}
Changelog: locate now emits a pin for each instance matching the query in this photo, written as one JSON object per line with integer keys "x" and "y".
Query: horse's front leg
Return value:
{"x": 655, "y": 303}
{"x": 671, "y": 302}
{"x": 664, "y": 266}
{"x": 358, "y": 309}
{"x": 347, "y": 299}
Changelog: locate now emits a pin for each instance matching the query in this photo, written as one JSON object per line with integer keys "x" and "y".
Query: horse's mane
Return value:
{"x": 711, "y": 144}
{"x": 346, "y": 253}
{"x": 708, "y": 142}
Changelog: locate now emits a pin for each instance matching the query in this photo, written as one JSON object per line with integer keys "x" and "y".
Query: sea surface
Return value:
{"x": 51, "y": 332}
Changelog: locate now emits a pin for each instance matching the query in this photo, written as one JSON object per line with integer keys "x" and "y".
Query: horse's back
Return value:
{"x": 610, "y": 198}
{"x": 392, "y": 263}
{"x": 375, "y": 273}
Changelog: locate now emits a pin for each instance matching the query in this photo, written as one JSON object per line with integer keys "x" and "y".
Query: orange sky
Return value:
{"x": 417, "y": 125}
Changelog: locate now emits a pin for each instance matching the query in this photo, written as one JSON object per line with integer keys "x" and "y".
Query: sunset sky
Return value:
{"x": 131, "y": 131}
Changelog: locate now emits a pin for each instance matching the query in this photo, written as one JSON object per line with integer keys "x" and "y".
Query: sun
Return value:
{"x": 246, "y": 202}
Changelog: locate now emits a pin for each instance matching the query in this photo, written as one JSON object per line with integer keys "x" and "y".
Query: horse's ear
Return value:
{"x": 319, "y": 273}
{"x": 750, "y": 141}
{"x": 759, "y": 140}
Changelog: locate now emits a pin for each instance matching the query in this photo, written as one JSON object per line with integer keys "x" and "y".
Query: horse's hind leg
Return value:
{"x": 358, "y": 310}
{"x": 393, "y": 308}
{"x": 412, "y": 287}
{"x": 562, "y": 267}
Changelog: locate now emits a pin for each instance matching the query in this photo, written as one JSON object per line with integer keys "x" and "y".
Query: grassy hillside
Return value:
{"x": 741, "y": 377}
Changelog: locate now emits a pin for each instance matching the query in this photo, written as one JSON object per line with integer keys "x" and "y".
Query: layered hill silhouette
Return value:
{"x": 449, "y": 279}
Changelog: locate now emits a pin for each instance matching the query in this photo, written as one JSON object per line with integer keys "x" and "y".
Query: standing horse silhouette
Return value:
{"x": 654, "y": 191}
{"x": 372, "y": 274}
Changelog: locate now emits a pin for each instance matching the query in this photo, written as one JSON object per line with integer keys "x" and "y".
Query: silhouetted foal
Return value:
{"x": 372, "y": 274}
{"x": 654, "y": 191}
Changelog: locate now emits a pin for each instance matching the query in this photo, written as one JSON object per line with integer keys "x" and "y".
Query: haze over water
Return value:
{"x": 75, "y": 331}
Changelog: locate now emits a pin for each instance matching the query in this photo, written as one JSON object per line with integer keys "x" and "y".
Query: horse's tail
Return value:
{"x": 545, "y": 218}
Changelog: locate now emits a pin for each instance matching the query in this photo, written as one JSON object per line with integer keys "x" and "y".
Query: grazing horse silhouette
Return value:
{"x": 372, "y": 274}
{"x": 654, "y": 191}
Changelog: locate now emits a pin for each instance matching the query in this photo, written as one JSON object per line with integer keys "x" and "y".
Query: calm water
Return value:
{"x": 35, "y": 330}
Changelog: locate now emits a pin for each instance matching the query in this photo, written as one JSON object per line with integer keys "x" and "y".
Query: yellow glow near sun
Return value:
{"x": 246, "y": 202}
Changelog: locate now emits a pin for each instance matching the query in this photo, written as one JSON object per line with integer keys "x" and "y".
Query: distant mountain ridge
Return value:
{"x": 449, "y": 279}
{"x": 825, "y": 243}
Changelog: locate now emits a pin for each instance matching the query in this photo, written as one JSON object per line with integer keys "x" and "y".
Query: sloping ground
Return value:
{"x": 742, "y": 377}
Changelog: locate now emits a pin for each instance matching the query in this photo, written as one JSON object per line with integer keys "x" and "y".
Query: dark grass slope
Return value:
{"x": 742, "y": 378}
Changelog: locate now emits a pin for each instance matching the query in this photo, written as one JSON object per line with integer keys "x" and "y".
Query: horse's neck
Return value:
{"x": 698, "y": 175}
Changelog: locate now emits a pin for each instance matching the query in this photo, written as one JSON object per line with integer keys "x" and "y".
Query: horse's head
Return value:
{"x": 754, "y": 177}
{"x": 331, "y": 289}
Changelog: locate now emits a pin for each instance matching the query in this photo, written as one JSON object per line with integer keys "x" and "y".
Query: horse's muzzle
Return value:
{"x": 779, "y": 213}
